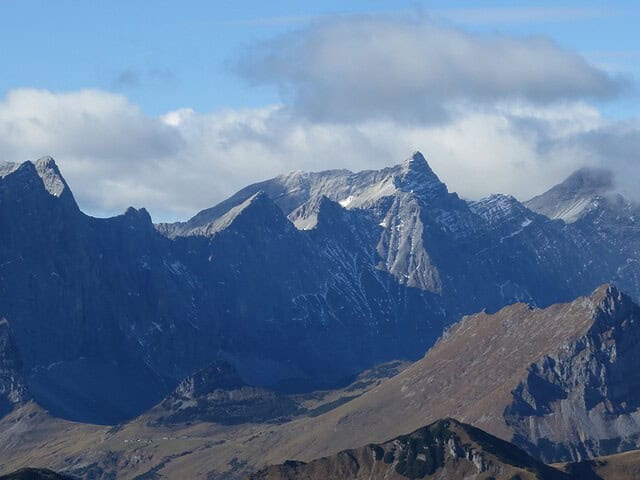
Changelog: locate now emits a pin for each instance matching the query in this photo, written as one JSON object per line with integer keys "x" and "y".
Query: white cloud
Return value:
{"x": 492, "y": 113}
{"x": 114, "y": 156}
{"x": 355, "y": 68}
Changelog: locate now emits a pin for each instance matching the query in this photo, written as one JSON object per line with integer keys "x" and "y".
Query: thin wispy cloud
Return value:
{"x": 138, "y": 77}
{"x": 511, "y": 15}
{"x": 502, "y": 15}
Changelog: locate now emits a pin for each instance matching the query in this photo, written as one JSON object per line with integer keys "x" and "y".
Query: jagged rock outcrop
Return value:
{"x": 218, "y": 394}
{"x": 13, "y": 390}
{"x": 446, "y": 449}
{"x": 582, "y": 401}
{"x": 35, "y": 474}
{"x": 380, "y": 263}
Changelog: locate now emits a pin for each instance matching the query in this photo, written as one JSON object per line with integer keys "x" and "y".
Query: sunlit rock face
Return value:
{"x": 300, "y": 281}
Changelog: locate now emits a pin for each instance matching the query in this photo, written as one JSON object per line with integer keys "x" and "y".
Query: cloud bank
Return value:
{"x": 491, "y": 113}
{"x": 355, "y": 68}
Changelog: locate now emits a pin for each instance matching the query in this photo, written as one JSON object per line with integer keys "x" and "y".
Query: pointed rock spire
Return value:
{"x": 416, "y": 176}
{"x": 51, "y": 176}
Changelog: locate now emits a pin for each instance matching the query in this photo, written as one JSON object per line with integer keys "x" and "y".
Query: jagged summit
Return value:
{"x": 46, "y": 169}
{"x": 51, "y": 176}
{"x": 7, "y": 168}
{"x": 308, "y": 215}
{"x": 417, "y": 163}
{"x": 608, "y": 292}
{"x": 258, "y": 208}
{"x": 498, "y": 208}
{"x": 445, "y": 449}
{"x": 416, "y": 176}
{"x": 296, "y": 191}
{"x": 138, "y": 216}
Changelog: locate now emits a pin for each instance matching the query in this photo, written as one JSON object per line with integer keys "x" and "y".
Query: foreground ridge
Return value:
{"x": 446, "y": 449}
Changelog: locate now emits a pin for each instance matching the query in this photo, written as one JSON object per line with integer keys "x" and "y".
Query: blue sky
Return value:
{"x": 175, "y": 105}
{"x": 164, "y": 56}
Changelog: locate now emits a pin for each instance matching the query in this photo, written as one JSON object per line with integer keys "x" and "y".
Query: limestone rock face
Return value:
{"x": 300, "y": 281}
{"x": 582, "y": 401}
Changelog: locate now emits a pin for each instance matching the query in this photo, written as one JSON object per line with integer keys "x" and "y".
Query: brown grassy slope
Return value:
{"x": 469, "y": 374}
{"x": 622, "y": 466}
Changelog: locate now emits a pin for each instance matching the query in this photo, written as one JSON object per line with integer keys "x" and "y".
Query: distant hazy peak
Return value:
{"x": 589, "y": 180}
{"x": 570, "y": 200}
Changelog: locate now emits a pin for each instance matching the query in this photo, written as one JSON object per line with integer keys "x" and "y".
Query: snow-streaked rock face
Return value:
{"x": 300, "y": 281}
{"x": 603, "y": 223}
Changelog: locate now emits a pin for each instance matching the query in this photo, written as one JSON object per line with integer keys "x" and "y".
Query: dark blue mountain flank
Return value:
{"x": 300, "y": 282}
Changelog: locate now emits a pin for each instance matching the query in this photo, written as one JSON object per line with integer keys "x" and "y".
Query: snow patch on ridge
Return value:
{"x": 346, "y": 201}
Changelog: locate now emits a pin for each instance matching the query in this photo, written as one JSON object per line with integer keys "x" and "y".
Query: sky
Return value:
{"x": 175, "y": 106}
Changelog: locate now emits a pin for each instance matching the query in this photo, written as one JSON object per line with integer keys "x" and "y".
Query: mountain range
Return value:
{"x": 256, "y": 318}
{"x": 300, "y": 282}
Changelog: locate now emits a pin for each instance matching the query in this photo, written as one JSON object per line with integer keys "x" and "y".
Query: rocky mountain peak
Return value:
{"x": 309, "y": 214}
{"x": 51, "y": 176}
{"x": 500, "y": 208}
{"x": 218, "y": 375}
{"x": 7, "y": 168}
{"x": 417, "y": 163}
{"x": 612, "y": 307}
{"x": 416, "y": 176}
{"x": 257, "y": 211}
{"x": 445, "y": 449}
{"x": 140, "y": 215}
{"x": 608, "y": 294}
{"x": 574, "y": 197}
{"x": 42, "y": 173}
